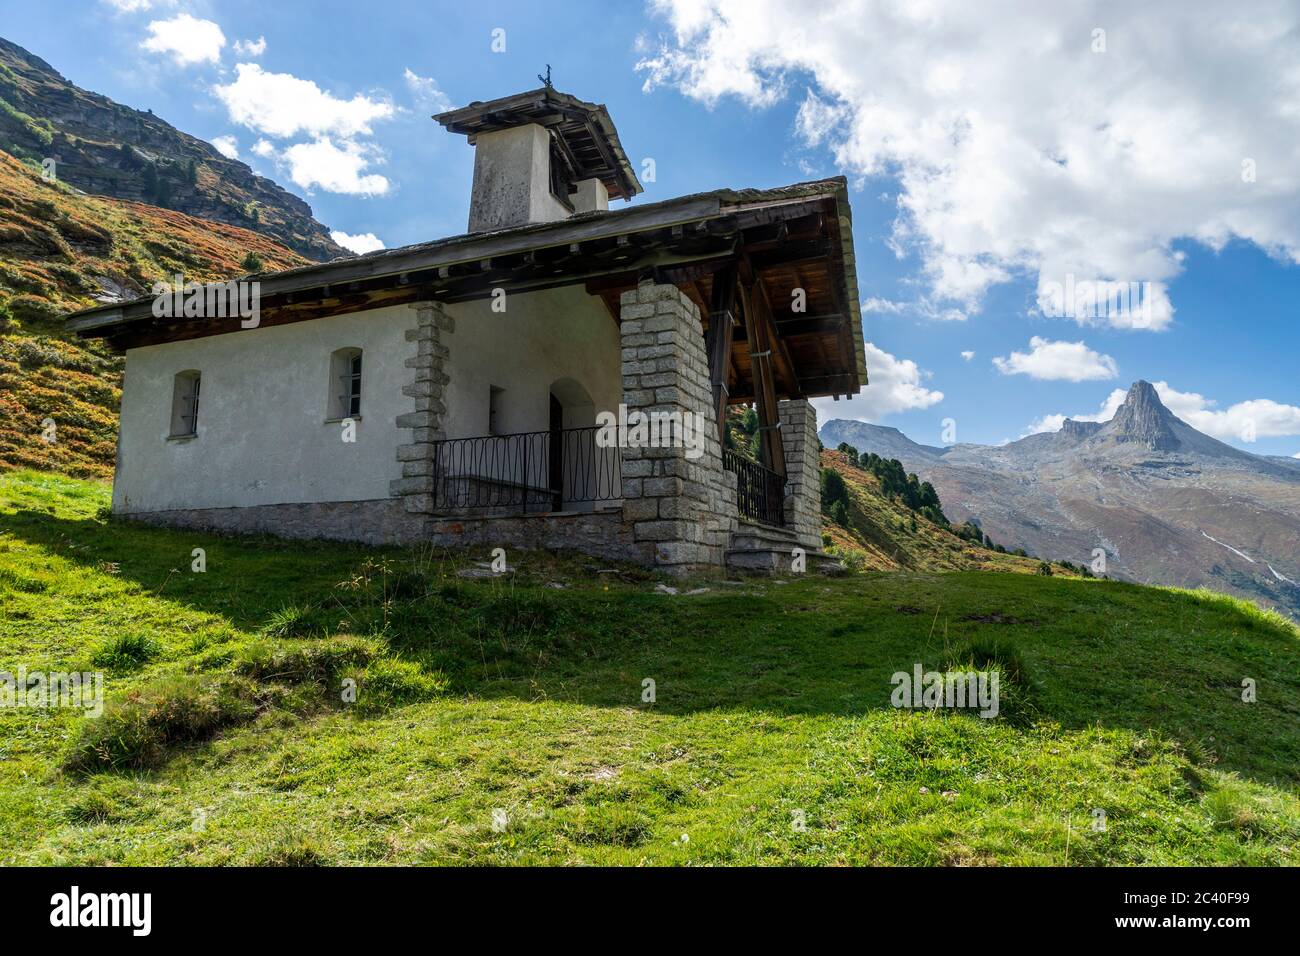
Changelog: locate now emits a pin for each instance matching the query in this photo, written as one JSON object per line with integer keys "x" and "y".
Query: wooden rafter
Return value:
{"x": 717, "y": 344}
{"x": 760, "y": 353}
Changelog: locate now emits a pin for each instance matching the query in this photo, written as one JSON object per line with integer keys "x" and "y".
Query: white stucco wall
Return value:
{"x": 264, "y": 435}
{"x": 262, "y": 432}
{"x": 541, "y": 338}
{"x": 512, "y": 179}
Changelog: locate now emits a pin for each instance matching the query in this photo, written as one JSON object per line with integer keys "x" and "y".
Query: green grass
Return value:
{"x": 226, "y": 738}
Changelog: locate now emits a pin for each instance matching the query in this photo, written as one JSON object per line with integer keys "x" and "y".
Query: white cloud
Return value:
{"x": 227, "y": 146}
{"x": 135, "y": 6}
{"x": 875, "y": 304}
{"x": 896, "y": 386}
{"x": 264, "y": 148}
{"x": 186, "y": 39}
{"x": 335, "y": 168}
{"x": 250, "y": 47}
{"x": 1120, "y": 305}
{"x": 425, "y": 92}
{"x": 1058, "y": 361}
{"x": 1048, "y": 423}
{"x": 1296, "y": 455}
{"x": 1053, "y": 423}
{"x": 967, "y": 356}
{"x": 1019, "y": 151}
{"x": 360, "y": 244}
{"x": 1242, "y": 422}
{"x": 282, "y": 105}
{"x": 924, "y": 307}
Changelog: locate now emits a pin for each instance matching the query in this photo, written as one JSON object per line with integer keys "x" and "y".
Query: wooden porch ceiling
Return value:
{"x": 814, "y": 339}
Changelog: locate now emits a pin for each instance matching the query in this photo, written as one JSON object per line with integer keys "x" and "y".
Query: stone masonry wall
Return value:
{"x": 803, "y": 472}
{"x": 381, "y": 522}
{"x": 685, "y": 507}
{"x": 602, "y": 534}
{"x": 431, "y": 364}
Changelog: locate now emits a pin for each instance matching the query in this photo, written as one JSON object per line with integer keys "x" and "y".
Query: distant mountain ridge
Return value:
{"x": 883, "y": 440}
{"x": 1166, "y": 503}
{"x": 105, "y": 148}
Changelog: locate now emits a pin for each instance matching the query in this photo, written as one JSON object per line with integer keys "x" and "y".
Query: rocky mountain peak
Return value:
{"x": 1143, "y": 419}
{"x": 1079, "y": 430}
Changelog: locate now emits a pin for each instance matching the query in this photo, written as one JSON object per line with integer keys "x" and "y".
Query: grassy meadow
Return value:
{"x": 330, "y": 704}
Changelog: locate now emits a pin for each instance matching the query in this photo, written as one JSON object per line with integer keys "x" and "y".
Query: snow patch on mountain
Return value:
{"x": 1232, "y": 549}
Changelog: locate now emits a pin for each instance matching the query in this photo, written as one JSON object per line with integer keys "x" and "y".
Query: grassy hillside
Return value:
{"x": 226, "y": 741}
{"x": 58, "y": 251}
{"x": 878, "y": 531}
{"x": 883, "y": 534}
{"x": 108, "y": 149}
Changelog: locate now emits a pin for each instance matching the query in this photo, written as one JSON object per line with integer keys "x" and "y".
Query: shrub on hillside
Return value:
{"x": 833, "y": 489}
{"x": 839, "y": 514}
{"x": 388, "y": 682}
{"x": 1017, "y": 687}
{"x": 137, "y": 732}
{"x": 319, "y": 661}
{"x": 33, "y": 308}
{"x": 126, "y": 651}
{"x": 289, "y": 621}
{"x": 742, "y": 432}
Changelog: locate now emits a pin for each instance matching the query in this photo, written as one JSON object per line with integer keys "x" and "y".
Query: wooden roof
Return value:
{"x": 585, "y": 135}
{"x": 781, "y": 240}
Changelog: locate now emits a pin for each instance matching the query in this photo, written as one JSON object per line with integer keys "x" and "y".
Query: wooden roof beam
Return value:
{"x": 792, "y": 253}
{"x": 798, "y": 325}
{"x": 762, "y": 307}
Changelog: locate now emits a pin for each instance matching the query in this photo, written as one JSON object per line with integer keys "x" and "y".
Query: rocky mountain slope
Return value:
{"x": 61, "y": 250}
{"x": 105, "y": 148}
{"x": 1163, "y": 502}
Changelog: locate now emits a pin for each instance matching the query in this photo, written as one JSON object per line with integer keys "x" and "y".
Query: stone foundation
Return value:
{"x": 378, "y": 522}
{"x": 601, "y": 534}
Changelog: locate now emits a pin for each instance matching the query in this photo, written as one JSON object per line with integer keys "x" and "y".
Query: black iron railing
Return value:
{"x": 760, "y": 492}
{"x": 529, "y": 471}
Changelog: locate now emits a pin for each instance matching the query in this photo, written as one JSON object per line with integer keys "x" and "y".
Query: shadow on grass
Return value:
{"x": 248, "y": 579}
{"x": 1088, "y": 653}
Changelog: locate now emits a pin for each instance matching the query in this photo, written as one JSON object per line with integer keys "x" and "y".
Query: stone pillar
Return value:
{"x": 679, "y": 501}
{"x": 431, "y": 365}
{"x": 802, "y": 471}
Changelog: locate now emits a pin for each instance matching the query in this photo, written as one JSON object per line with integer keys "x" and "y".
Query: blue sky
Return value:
{"x": 985, "y": 162}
